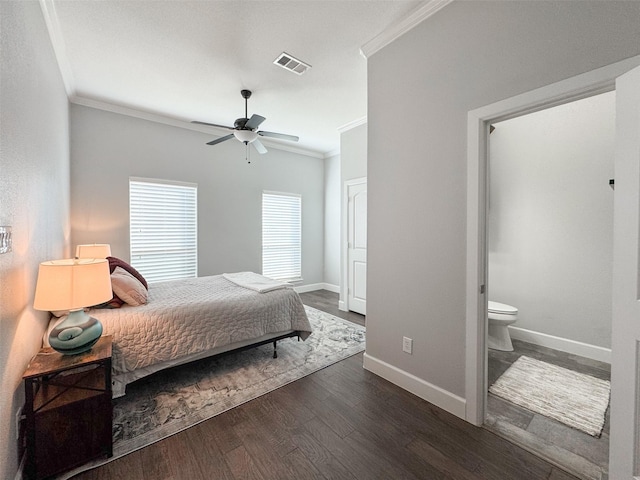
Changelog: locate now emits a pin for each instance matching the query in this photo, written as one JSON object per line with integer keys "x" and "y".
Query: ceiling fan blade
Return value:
{"x": 283, "y": 136}
{"x": 220, "y": 140}
{"x": 212, "y": 125}
{"x": 254, "y": 121}
{"x": 259, "y": 146}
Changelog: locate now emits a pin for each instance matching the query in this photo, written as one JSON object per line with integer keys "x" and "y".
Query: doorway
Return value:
{"x": 550, "y": 246}
{"x": 581, "y": 86}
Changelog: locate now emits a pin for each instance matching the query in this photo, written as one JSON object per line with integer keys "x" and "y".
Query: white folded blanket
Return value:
{"x": 254, "y": 281}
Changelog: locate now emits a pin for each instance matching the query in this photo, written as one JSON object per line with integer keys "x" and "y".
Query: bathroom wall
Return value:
{"x": 551, "y": 219}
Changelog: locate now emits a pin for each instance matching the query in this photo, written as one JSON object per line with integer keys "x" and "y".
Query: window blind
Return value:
{"x": 282, "y": 236}
{"x": 163, "y": 229}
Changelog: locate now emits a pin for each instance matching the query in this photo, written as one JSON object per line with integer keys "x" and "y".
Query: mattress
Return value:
{"x": 192, "y": 318}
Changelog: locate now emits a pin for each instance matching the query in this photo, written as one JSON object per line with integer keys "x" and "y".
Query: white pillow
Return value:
{"x": 128, "y": 288}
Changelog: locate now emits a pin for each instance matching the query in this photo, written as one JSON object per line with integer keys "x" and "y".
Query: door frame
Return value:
{"x": 624, "y": 457}
{"x": 343, "y": 303}
{"x": 576, "y": 88}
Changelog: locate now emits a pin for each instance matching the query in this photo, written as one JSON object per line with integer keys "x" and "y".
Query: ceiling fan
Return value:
{"x": 246, "y": 129}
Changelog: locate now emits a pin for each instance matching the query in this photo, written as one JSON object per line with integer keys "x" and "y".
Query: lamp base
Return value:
{"x": 75, "y": 334}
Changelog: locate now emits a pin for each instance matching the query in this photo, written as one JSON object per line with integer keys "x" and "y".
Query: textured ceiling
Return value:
{"x": 188, "y": 60}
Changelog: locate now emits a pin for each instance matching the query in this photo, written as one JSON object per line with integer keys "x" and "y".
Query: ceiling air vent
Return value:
{"x": 292, "y": 64}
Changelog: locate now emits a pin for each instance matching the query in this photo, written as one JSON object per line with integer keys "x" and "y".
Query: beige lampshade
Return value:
{"x": 93, "y": 250}
{"x": 72, "y": 284}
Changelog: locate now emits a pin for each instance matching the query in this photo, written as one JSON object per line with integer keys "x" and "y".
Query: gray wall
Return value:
{"x": 353, "y": 155}
{"x": 421, "y": 87}
{"x": 551, "y": 219}
{"x": 34, "y": 197}
{"x": 353, "y": 152}
{"x": 332, "y": 201}
{"x": 107, "y": 148}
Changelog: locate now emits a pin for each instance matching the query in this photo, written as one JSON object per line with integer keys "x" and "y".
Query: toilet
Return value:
{"x": 500, "y": 317}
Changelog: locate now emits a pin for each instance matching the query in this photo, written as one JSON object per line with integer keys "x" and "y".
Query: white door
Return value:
{"x": 357, "y": 247}
{"x": 624, "y": 452}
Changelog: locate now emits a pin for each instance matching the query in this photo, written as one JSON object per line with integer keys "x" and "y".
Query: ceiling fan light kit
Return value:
{"x": 245, "y": 136}
{"x": 245, "y": 129}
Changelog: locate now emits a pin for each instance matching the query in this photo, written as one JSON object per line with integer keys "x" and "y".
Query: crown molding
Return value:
{"x": 353, "y": 124}
{"x": 59, "y": 47}
{"x": 60, "y": 51}
{"x": 399, "y": 28}
{"x": 176, "y": 122}
{"x": 332, "y": 153}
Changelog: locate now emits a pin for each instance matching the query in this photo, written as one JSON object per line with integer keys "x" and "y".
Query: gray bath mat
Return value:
{"x": 573, "y": 398}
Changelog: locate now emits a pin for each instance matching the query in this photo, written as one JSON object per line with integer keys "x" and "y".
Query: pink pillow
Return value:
{"x": 128, "y": 288}
{"x": 117, "y": 302}
{"x": 116, "y": 262}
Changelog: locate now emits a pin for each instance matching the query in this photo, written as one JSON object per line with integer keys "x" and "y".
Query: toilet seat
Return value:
{"x": 501, "y": 308}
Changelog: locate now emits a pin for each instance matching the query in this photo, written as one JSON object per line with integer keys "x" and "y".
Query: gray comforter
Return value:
{"x": 191, "y": 316}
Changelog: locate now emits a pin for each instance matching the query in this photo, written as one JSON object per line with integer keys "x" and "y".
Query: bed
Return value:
{"x": 189, "y": 319}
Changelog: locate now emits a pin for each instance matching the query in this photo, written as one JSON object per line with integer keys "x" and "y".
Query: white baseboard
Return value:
{"x": 317, "y": 286}
{"x": 425, "y": 390}
{"x": 564, "y": 345}
{"x": 331, "y": 287}
{"x": 342, "y": 306}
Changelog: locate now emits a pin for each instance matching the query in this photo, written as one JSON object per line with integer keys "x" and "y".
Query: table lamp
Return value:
{"x": 73, "y": 284}
{"x": 93, "y": 250}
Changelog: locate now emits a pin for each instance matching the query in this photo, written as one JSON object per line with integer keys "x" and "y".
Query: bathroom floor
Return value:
{"x": 578, "y": 453}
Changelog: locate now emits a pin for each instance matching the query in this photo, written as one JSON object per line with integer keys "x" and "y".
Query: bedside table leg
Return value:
{"x": 107, "y": 377}
{"x": 30, "y": 431}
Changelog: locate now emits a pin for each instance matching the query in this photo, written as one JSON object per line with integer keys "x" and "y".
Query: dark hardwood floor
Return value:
{"x": 328, "y": 302}
{"x": 341, "y": 422}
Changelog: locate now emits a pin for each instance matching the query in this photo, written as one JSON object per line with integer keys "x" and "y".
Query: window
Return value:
{"x": 163, "y": 227}
{"x": 281, "y": 236}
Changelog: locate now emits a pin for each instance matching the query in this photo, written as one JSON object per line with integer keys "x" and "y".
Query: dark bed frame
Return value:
{"x": 275, "y": 340}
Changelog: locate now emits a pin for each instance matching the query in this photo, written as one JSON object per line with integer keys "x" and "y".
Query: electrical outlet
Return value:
{"x": 407, "y": 344}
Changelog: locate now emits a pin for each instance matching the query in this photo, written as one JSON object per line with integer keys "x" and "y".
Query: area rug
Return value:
{"x": 172, "y": 400}
{"x": 573, "y": 398}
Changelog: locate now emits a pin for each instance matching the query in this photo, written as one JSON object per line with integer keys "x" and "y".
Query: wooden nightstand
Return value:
{"x": 68, "y": 409}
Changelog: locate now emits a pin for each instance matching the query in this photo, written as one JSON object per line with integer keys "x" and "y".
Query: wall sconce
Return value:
{"x": 5, "y": 240}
